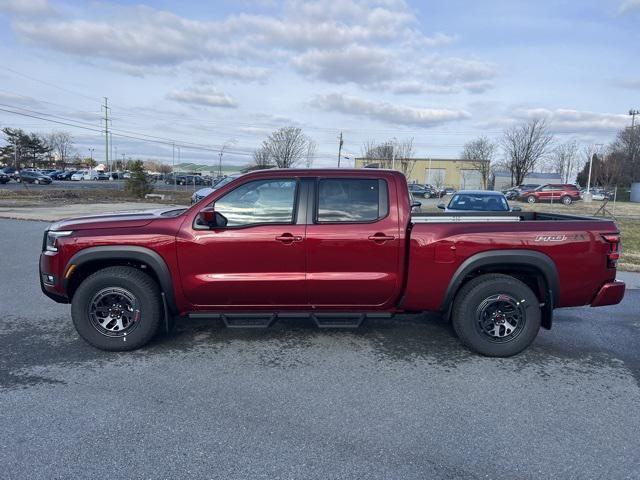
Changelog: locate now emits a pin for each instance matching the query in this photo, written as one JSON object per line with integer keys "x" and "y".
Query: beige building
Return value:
{"x": 439, "y": 172}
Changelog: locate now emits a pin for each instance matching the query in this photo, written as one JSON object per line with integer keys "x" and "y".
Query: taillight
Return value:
{"x": 614, "y": 249}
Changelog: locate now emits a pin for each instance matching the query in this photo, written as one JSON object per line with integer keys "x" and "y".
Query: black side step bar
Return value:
{"x": 267, "y": 319}
{"x": 338, "y": 320}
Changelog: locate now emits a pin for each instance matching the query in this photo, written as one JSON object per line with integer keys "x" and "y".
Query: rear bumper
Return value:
{"x": 609, "y": 294}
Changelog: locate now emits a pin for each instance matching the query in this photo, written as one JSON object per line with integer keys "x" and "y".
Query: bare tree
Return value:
{"x": 565, "y": 160}
{"x": 391, "y": 154}
{"x": 479, "y": 153}
{"x": 262, "y": 158}
{"x": 524, "y": 145}
{"x": 287, "y": 146}
{"x": 62, "y": 144}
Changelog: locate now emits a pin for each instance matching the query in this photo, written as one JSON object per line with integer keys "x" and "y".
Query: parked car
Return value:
{"x": 4, "y": 178}
{"x": 34, "y": 177}
{"x": 597, "y": 193}
{"x": 552, "y": 192}
{"x": 203, "y": 192}
{"x": 65, "y": 175}
{"x": 511, "y": 193}
{"x": 175, "y": 179}
{"x": 448, "y": 191}
{"x": 11, "y": 172}
{"x": 418, "y": 190}
{"x": 478, "y": 201}
{"x": 99, "y": 176}
{"x": 80, "y": 175}
{"x": 336, "y": 246}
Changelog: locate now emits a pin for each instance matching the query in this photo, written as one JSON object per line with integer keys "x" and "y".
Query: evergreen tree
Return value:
{"x": 139, "y": 183}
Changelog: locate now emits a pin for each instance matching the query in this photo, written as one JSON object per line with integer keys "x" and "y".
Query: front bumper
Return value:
{"x": 610, "y": 293}
{"x": 50, "y": 265}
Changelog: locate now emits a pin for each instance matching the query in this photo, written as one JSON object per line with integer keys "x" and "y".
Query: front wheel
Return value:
{"x": 117, "y": 308}
{"x": 566, "y": 200}
{"x": 531, "y": 199}
{"x": 36, "y": 181}
{"x": 496, "y": 315}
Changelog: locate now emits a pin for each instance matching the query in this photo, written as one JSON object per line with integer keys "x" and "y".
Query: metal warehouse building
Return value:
{"x": 440, "y": 172}
{"x": 502, "y": 180}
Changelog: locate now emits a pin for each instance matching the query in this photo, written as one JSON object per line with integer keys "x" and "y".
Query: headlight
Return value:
{"x": 51, "y": 243}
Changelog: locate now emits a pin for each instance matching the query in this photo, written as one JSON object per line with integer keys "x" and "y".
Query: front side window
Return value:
{"x": 351, "y": 200}
{"x": 259, "y": 202}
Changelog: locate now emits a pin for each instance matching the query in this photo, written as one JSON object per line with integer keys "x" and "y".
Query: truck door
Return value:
{"x": 258, "y": 259}
{"x": 353, "y": 243}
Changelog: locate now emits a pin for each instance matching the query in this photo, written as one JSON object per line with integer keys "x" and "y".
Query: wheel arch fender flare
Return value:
{"x": 512, "y": 258}
{"x": 132, "y": 253}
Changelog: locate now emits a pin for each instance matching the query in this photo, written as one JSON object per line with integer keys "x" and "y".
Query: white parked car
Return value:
{"x": 81, "y": 175}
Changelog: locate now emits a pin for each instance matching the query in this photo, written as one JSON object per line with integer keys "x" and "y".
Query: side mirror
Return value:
{"x": 516, "y": 209}
{"x": 441, "y": 206}
{"x": 207, "y": 217}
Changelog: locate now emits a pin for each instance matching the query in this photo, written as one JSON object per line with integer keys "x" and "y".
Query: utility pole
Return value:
{"x": 220, "y": 160}
{"x": 633, "y": 114}
{"x": 340, "y": 143}
{"x": 91, "y": 154}
{"x": 173, "y": 165}
{"x": 106, "y": 129}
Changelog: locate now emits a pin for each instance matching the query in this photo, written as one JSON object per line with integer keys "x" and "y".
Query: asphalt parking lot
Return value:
{"x": 395, "y": 399}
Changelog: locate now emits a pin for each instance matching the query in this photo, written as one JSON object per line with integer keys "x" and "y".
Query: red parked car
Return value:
{"x": 336, "y": 246}
{"x": 552, "y": 192}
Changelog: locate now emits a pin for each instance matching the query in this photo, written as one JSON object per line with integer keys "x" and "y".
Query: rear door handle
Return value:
{"x": 288, "y": 238}
{"x": 381, "y": 237}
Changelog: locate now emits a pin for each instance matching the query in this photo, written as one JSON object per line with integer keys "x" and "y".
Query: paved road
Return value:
{"x": 395, "y": 399}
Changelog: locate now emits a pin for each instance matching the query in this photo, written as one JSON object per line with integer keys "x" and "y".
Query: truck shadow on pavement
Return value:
{"x": 31, "y": 354}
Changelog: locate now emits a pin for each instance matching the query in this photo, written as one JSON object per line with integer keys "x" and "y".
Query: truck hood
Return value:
{"x": 121, "y": 219}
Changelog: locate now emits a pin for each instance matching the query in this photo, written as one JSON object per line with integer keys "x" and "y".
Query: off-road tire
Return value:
{"x": 133, "y": 280}
{"x": 471, "y": 297}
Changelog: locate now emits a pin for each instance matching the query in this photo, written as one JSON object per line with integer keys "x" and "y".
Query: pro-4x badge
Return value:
{"x": 550, "y": 238}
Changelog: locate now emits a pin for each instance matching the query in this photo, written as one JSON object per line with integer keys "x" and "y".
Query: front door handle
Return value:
{"x": 381, "y": 237}
{"x": 288, "y": 238}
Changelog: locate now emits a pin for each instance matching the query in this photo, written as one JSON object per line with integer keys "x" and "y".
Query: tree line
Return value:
{"x": 530, "y": 146}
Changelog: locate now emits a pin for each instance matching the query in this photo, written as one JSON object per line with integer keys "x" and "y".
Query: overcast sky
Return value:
{"x": 206, "y": 73}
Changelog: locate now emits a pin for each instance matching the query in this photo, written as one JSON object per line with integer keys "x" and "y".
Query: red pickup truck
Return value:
{"x": 336, "y": 246}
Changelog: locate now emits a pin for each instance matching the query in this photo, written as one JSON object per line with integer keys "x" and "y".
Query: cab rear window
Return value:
{"x": 351, "y": 200}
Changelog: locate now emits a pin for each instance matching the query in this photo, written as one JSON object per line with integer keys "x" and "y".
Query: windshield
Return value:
{"x": 478, "y": 202}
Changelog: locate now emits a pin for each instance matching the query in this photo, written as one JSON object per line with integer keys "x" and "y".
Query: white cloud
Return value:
{"x": 628, "y": 5}
{"x": 562, "y": 119}
{"x": 364, "y": 65}
{"x": 26, "y": 7}
{"x": 370, "y": 42}
{"x": 387, "y": 112}
{"x": 202, "y": 96}
{"x": 236, "y": 72}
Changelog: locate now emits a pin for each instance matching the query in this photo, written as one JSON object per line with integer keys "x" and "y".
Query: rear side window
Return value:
{"x": 352, "y": 200}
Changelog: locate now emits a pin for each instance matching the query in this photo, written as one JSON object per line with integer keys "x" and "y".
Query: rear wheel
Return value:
{"x": 117, "y": 308}
{"x": 531, "y": 199}
{"x": 566, "y": 200}
{"x": 36, "y": 181}
{"x": 496, "y": 315}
